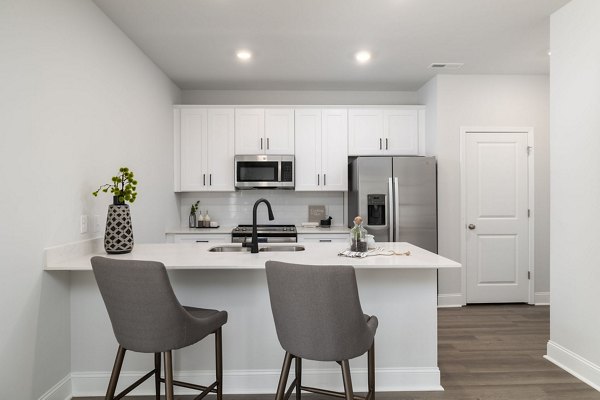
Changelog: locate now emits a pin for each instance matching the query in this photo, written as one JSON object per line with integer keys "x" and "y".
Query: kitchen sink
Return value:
{"x": 240, "y": 249}
{"x": 281, "y": 248}
{"x": 229, "y": 249}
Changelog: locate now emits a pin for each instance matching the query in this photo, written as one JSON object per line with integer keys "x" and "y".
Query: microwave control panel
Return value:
{"x": 287, "y": 171}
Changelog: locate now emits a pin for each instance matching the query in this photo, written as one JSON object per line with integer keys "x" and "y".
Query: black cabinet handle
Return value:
{"x": 386, "y": 143}
{"x": 261, "y": 143}
{"x": 203, "y": 179}
{"x": 267, "y": 143}
{"x": 318, "y": 179}
{"x": 380, "y": 144}
{"x": 324, "y": 240}
{"x": 210, "y": 179}
{"x": 201, "y": 241}
{"x": 324, "y": 179}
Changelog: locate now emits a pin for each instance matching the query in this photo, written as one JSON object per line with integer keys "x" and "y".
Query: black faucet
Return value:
{"x": 254, "y": 243}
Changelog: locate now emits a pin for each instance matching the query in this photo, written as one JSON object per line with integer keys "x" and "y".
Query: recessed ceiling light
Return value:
{"x": 362, "y": 56}
{"x": 244, "y": 55}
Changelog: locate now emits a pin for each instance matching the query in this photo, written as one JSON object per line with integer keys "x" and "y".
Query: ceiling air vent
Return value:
{"x": 446, "y": 65}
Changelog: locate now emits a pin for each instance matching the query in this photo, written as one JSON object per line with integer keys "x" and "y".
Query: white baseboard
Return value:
{"x": 265, "y": 381}
{"x": 61, "y": 391}
{"x": 574, "y": 364}
{"x": 451, "y": 300}
{"x": 542, "y": 298}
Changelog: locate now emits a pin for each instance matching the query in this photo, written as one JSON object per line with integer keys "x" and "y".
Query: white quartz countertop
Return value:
{"x": 196, "y": 256}
{"x": 227, "y": 229}
{"x": 334, "y": 229}
{"x": 196, "y": 231}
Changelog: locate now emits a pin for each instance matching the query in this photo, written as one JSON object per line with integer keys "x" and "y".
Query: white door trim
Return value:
{"x": 463, "y": 203}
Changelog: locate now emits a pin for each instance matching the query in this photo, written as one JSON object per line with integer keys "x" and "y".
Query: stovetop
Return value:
{"x": 286, "y": 229}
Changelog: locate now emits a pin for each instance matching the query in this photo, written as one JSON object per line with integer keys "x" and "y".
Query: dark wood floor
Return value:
{"x": 486, "y": 352}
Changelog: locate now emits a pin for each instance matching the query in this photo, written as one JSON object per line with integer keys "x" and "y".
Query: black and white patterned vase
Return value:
{"x": 118, "y": 237}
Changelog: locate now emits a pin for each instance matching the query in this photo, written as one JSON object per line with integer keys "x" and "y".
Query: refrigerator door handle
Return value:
{"x": 396, "y": 211}
{"x": 390, "y": 212}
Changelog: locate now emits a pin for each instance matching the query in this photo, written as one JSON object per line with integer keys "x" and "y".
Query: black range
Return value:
{"x": 265, "y": 233}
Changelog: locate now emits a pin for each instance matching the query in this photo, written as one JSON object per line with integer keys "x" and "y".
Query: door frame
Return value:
{"x": 464, "y": 131}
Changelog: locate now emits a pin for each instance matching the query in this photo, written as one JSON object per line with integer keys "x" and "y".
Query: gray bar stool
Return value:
{"x": 318, "y": 316}
{"x": 147, "y": 317}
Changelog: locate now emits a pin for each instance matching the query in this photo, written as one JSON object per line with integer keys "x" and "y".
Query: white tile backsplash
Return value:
{"x": 289, "y": 207}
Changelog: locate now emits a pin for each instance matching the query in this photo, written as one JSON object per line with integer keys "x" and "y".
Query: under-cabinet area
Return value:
{"x": 207, "y": 138}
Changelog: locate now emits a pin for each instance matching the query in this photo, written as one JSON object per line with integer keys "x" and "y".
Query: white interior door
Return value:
{"x": 496, "y": 216}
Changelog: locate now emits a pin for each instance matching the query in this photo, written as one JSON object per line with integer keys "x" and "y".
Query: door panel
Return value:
{"x": 365, "y": 134}
{"x": 193, "y": 148}
{"x": 497, "y": 242}
{"x": 220, "y": 138}
{"x": 335, "y": 150}
{"x": 249, "y": 131}
{"x": 279, "y": 131}
{"x": 308, "y": 149}
{"x": 401, "y": 132}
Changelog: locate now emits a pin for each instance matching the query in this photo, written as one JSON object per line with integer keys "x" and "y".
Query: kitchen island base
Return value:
{"x": 404, "y": 301}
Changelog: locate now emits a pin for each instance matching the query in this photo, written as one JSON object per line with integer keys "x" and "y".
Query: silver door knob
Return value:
{"x": 471, "y": 226}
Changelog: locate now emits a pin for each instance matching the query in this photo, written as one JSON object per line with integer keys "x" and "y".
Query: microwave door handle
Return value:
{"x": 390, "y": 210}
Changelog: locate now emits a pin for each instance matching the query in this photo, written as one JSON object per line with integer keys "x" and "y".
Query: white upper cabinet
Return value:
{"x": 264, "y": 131}
{"x": 389, "y": 131}
{"x": 321, "y": 150}
{"x": 204, "y": 149}
{"x": 279, "y": 131}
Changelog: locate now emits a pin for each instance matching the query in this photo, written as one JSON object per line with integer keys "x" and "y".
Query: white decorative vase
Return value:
{"x": 118, "y": 236}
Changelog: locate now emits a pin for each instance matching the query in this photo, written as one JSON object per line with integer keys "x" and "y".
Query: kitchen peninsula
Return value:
{"x": 401, "y": 290}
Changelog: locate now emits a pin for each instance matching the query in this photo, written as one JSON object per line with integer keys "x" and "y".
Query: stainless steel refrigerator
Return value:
{"x": 397, "y": 198}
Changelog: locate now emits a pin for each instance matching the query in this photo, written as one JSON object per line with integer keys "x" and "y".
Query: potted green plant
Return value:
{"x": 123, "y": 187}
{"x": 192, "y": 218}
{"x": 118, "y": 235}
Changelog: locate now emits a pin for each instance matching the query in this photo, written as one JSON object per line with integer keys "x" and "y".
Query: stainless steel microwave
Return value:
{"x": 264, "y": 171}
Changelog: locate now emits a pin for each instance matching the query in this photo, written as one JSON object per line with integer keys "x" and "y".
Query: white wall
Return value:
{"x": 78, "y": 100}
{"x": 428, "y": 96}
{"x": 485, "y": 100}
{"x": 298, "y": 97}
{"x": 575, "y": 194}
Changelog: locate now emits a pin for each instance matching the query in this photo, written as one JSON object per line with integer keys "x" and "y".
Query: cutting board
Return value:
{"x": 316, "y": 213}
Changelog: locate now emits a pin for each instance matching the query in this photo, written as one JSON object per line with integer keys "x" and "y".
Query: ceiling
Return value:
{"x": 310, "y": 44}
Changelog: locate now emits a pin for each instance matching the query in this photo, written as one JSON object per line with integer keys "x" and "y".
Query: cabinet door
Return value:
{"x": 334, "y": 150}
{"x": 308, "y": 149}
{"x": 365, "y": 135}
{"x": 193, "y": 148}
{"x": 202, "y": 238}
{"x": 401, "y": 132}
{"x": 279, "y": 131}
{"x": 323, "y": 238}
{"x": 220, "y": 150}
{"x": 249, "y": 131}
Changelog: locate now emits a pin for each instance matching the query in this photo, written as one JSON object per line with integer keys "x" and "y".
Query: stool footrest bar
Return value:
{"x": 134, "y": 385}
{"x": 329, "y": 392}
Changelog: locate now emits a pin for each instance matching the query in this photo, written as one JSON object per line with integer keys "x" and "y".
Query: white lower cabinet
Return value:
{"x": 199, "y": 238}
{"x": 323, "y": 238}
{"x": 321, "y": 137}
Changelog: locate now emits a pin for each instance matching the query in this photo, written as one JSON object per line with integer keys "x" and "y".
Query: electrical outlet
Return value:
{"x": 96, "y": 227}
{"x": 83, "y": 224}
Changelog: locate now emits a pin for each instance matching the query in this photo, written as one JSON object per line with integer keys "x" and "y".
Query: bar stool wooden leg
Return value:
{"x": 371, "y": 372}
{"x": 298, "y": 378}
{"x": 157, "y": 374}
{"x": 347, "y": 380}
{"x": 114, "y": 376}
{"x": 285, "y": 372}
{"x": 219, "y": 363}
{"x": 169, "y": 375}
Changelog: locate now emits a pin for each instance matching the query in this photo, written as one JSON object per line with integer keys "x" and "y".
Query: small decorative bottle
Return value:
{"x": 358, "y": 236}
{"x": 200, "y": 219}
{"x": 206, "y": 219}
